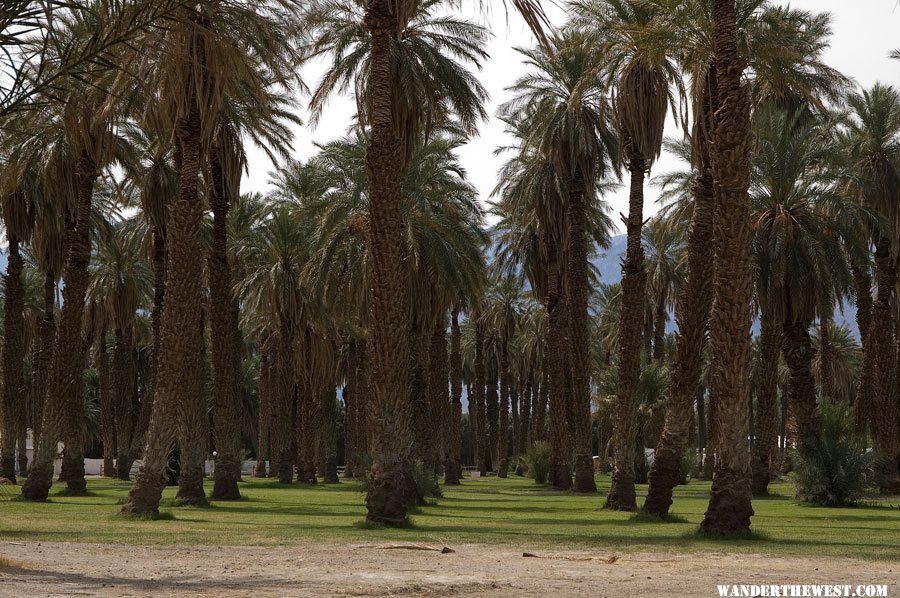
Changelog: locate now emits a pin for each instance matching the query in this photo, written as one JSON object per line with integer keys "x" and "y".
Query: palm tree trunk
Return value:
{"x": 328, "y": 404}
{"x": 525, "y": 433}
{"x": 107, "y": 405}
{"x": 862, "y": 280}
{"x": 422, "y": 417}
{"x": 363, "y": 407}
{"x": 139, "y": 438}
{"x": 123, "y": 396}
{"x": 391, "y": 489}
{"x": 349, "y": 400}
{"x": 798, "y": 354}
{"x": 621, "y": 492}
{"x": 13, "y": 408}
{"x": 579, "y": 343}
{"x": 882, "y": 353}
{"x": 177, "y": 409}
{"x": 480, "y": 424}
{"x": 492, "y": 410}
{"x": 692, "y": 314}
{"x": 453, "y": 470}
{"x": 439, "y": 395}
{"x": 64, "y": 402}
{"x": 281, "y": 410}
{"x": 729, "y": 508}
{"x": 503, "y": 413}
{"x": 514, "y": 393}
{"x": 540, "y": 413}
{"x": 557, "y": 365}
{"x": 766, "y": 395}
{"x": 265, "y": 400}
{"x": 41, "y": 363}
{"x": 226, "y": 344}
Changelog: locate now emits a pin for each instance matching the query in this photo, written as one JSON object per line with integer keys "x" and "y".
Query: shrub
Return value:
{"x": 689, "y": 463}
{"x": 833, "y": 469}
{"x": 538, "y": 460}
{"x": 426, "y": 481}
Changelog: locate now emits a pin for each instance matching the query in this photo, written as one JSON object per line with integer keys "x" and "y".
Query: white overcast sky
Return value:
{"x": 864, "y": 31}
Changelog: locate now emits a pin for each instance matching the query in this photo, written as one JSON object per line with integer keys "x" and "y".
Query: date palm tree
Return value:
{"x": 210, "y": 52}
{"x": 871, "y": 146}
{"x": 641, "y": 76}
{"x": 568, "y": 121}
{"x": 407, "y": 69}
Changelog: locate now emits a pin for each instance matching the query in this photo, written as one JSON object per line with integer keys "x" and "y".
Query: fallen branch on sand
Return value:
{"x": 608, "y": 561}
{"x": 441, "y": 549}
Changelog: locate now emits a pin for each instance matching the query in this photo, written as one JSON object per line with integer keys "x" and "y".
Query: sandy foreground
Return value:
{"x": 68, "y": 569}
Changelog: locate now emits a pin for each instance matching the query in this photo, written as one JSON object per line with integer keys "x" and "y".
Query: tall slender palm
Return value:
{"x": 568, "y": 122}
{"x": 871, "y": 146}
{"x": 211, "y": 51}
{"x": 642, "y": 75}
{"x": 798, "y": 220}
{"x": 663, "y": 240}
{"x": 407, "y": 75}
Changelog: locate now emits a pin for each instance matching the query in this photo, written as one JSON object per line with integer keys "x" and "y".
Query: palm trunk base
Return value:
{"x": 665, "y": 474}
{"x": 391, "y": 492}
{"x": 584, "y": 474}
{"x": 760, "y": 480}
{"x": 283, "y": 470}
{"x": 72, "y": 473}
{"x": 307, "y": 474}
{"x": 452, "y": 473}
{"x": 706, "y": 472}
{"x": 621, "y": 493}
{"x": 729, "y": 509}
{"x": 143, "y": 498}
{"x": 23, "y": 462}
{"x": 503, "y": 471}
{"x": 226, "y": 478}
{"x": 123, "y": 466}
{"x": 8, "y": 468}
{"x": 331, "y": 473}
{"x": 190, "y": 485}
{"x": 37, "y": 484}
{"x": 109, "y": 467}
{"x": 888, "y": 481}
{"x": 260, "y": 470}
{"x": 560, "y": 475}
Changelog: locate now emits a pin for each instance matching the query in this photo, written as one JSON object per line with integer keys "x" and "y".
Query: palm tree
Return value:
{"x": 256, "y": 47}
{"x": 871, "y": 145}
{"x": 641, "y": 74}
{"x": 663, "y": 241}
{"x": 567, "y": 122}
{"x": 407, "y": 70}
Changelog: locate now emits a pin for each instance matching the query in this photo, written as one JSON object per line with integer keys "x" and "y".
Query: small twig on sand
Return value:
{"x": 608, "y": 561}
{"x": 441, "y": 549}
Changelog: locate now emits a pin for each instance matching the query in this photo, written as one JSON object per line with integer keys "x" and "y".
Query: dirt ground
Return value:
{"x": 63, "y": 569}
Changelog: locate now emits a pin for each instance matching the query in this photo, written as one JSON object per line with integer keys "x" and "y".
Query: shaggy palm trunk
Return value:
{"x": 226, "y": 345}
{"x": 439, "y": 394}
{"x": 539, "y": 417}
{"x": 525, "y": 433}
{"x": 453, "y": 469}
{"x": 391, "y": 488}
{"x": 502, "y": 466}
{"x": 692, "y": 314}
{"x": 422, "y": 416}
{"x": 347, "y": 396}
{"x": 659, "y": 329}
{"x": 766, "y": 404}
{"x": 514, "y": 393}
{"x": 139, "y": 438}
{"x": 123, "y": 393}
{"x": 492, "y": 411}
{"x": 107, "y": 406}
{"x": 479, "y": 425}
{"x": 798, "y": 354}
{"x": 862, "y": 281}
{"x": 579, "y": 342}
{"x": 64, "y": 401}
{"x": 363, "y": 442}
{"x": 177, "y": 407}
{"x": 621, "y": 492}
{"x": 557, "y": 365}
{"x": 281, "y": 411}
{"x": 265, "y": 399}
{"x": 329, "y": 429}
{"x": 729, "y": 508}
{"x": 882, "y": 353}
{"x": 13, "y": 410}
{"x": 41, "y": 362}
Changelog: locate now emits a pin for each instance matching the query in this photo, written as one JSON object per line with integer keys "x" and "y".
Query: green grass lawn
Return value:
{"x": 491, "y": 510}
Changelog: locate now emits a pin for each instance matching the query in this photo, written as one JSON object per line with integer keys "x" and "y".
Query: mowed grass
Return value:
{"x": 511, "y": 511}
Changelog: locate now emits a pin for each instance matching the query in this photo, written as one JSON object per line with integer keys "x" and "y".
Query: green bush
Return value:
{"x": 538, "y": 460}
{"x": 426, "y": 481}
{"x": 689, "y": 463}
{"x": 833, "y": 469}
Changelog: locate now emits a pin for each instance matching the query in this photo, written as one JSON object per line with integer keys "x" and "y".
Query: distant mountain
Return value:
{"x": 609, "y": 264}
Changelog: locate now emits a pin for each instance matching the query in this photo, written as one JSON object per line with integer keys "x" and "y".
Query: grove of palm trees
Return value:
{"x": 653, "y": 331}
